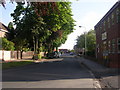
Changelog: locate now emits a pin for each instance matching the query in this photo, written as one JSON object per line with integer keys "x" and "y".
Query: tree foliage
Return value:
{"x": 11, "y": 32}
{"x": 7, "y": 45}
{"x": 90, "y": 42}
{"x": 42, "y": 25}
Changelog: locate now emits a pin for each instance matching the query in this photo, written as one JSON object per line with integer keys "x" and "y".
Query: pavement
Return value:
{"x": 107, "y": 77}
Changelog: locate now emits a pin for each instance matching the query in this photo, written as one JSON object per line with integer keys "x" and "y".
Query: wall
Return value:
{"x": 5, "y": 55}
{"x": 11, "y": 55}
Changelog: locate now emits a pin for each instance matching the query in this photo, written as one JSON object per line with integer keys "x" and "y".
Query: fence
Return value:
{"x": 11, "y": 55}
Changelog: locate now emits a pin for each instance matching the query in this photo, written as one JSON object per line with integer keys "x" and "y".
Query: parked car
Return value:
{"x": 71, "y": 53}
{"x": 54, "y": 55}
{"x": 58, "y": 54}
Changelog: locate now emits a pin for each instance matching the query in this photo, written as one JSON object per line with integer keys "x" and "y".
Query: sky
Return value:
{"x": 86, "y": 13}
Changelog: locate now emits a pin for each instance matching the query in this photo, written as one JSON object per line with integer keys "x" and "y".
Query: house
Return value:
{"x": 3, "y": 30}
{"x": 108, "y": 38}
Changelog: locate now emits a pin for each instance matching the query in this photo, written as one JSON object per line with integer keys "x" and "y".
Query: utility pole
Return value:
{"x": 85, "y": 47}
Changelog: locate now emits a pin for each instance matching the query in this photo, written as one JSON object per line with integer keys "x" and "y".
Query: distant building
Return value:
{"x": 3, "y": 30}
{"x": 78, "y": 51}
{"x": 63, "y": 50}
{"x": 108, "y": 38}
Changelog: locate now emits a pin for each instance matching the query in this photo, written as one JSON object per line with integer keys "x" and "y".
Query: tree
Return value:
{"x": 12, "y": 34}
{"x": 29, "y": 27}
{"x": 7, "y": 45}
{"x": 90, "y": 42}
{"x": 45, "y": 30}
{"x": 60, "y": 24}
{"x": 81, "y": 41}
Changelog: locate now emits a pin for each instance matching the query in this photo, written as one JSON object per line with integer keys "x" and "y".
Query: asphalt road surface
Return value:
{"x": 67, "y": 73}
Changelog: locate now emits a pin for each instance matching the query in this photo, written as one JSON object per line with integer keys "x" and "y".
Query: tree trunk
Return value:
{"x": 35, "y": 46}
{"x": 34, "y": 43}
{"x": 21, "y": 54}
{"x": 56, "y": 48}
{"x": 49, "y": 48}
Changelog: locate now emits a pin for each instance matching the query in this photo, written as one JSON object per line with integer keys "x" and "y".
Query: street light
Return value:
{"x": 85, "y": 39}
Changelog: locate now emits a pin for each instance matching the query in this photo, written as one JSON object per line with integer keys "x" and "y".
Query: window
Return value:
{"x": 108, "y": 22}
{"x": 105, "y": 51}
{"x": 118, "y": 45}
{"x": 112, "y": 18}
{"x": 104, "y": 36}
{"x": 104, "y": 25}
{"x": 109, "y": 46}
{"x": 118, "y": 15}
{"x": 113, "y": 46}
{"x": 100, "y": 28}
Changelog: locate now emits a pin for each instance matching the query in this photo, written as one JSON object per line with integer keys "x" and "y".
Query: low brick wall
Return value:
{"x": 91, "y": 58}
{"x": 11, "y": 55}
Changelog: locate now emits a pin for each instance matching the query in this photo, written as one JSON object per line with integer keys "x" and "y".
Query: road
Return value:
{"x": 67, "y": 73}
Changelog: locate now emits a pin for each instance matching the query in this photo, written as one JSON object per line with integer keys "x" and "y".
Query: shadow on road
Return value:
{"x": 68, "y": 68}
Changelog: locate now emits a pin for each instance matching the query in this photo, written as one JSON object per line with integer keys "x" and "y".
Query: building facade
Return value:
{"x": 79, "y": 51}
{"x": 63, "y": 50}
{"x": 108, "y": 38}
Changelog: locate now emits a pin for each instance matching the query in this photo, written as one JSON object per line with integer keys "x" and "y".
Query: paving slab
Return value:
{"x": 108, "y": 77}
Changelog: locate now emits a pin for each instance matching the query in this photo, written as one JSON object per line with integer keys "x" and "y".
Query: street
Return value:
{"x": 67, "y": 73}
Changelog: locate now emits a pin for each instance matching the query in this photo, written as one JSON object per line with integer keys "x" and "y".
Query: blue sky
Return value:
{"x": 85, "y": 12}
{"x": 5, "y": 17}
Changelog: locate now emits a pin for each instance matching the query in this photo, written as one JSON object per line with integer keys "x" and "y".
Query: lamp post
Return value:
{"x": 85, "y": 39}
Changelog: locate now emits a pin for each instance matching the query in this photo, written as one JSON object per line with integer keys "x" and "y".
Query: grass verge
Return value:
{"x": 15, "y": 64}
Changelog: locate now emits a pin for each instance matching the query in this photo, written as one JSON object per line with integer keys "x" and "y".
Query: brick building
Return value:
{"x": 108, "y": 38}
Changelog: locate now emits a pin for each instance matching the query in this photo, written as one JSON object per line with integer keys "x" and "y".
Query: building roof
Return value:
{"x": 109, "y": 12}
{"x": 3, "y": 28}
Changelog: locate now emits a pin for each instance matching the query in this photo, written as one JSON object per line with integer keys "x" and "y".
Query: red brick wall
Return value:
{"x": 112, "y": 33}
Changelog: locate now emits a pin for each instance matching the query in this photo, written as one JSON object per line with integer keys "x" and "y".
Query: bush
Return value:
{"x": 37, "y": 56}
{"x": 91, "y": 53}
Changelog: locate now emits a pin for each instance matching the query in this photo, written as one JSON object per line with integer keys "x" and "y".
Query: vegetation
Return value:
{"x": 7, "y": 45}
{"x": 15, "y": 64}
{"x": 41, "y": 29}
{"x": 40, "y": 26}
{"x": 90, "y": 42}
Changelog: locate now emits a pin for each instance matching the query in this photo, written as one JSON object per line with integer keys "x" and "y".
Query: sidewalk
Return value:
{"x": 36, "y": 61}
{"x": 108, "y": 77}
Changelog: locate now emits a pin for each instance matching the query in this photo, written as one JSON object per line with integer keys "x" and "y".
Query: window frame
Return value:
{"x": 112, "y": 17}
{"x": 113, "y": 45}
{"x": 109, "y": 46}
{"x": 108, "y": 22}
{"x": 118, "y": 15}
